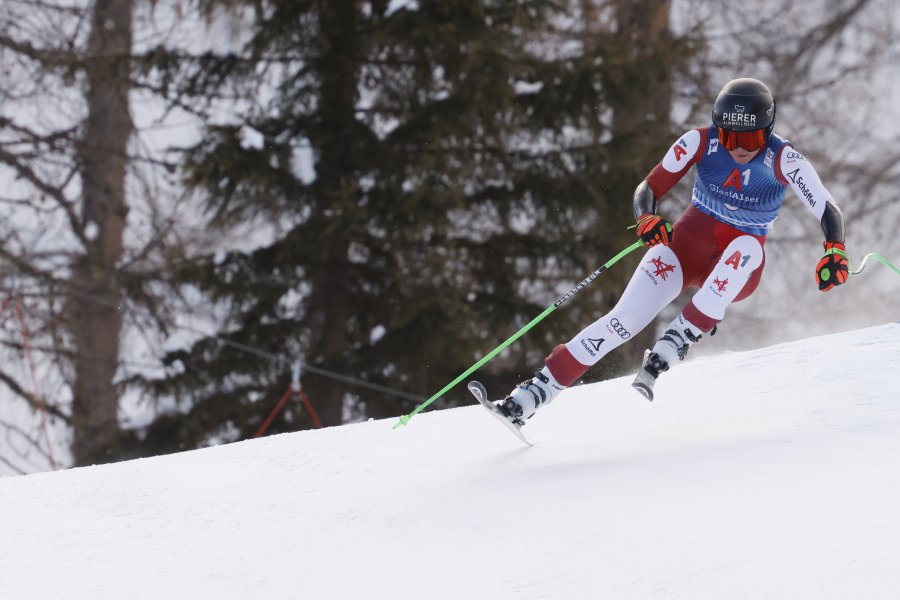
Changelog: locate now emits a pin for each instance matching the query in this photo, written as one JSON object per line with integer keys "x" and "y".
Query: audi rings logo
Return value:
{"x": 616, "y": 326}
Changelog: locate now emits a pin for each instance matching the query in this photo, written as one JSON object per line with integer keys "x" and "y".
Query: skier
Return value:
{"x": 716, "y": 245}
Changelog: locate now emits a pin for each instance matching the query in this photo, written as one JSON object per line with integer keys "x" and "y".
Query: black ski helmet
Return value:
{"x": 745, "y": 105}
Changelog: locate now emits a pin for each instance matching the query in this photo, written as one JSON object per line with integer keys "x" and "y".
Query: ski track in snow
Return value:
{"x": 773, "y": 473}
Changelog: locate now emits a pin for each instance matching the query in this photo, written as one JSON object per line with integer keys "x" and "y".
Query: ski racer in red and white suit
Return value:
{"x": 716, "y": 245}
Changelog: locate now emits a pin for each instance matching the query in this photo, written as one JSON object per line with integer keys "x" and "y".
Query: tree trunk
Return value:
{"x": 337, "y": 172}
{"x": 641, "y": 108}
{"x": 643, "y": 112}
{"x": 93, "y": 304}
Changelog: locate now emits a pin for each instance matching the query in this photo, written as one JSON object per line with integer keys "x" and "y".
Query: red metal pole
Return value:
{"x": 268, "y": 422}
{"x": 312, "y": 413}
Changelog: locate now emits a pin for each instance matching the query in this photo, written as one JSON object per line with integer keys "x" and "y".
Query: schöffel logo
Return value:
{"x": 617, "y": 327}
{"x": 804, "y": 190}
{"x": 592, "y": 345}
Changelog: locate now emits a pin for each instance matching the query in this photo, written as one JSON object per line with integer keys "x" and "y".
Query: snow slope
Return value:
{"x": 766, "y": 474}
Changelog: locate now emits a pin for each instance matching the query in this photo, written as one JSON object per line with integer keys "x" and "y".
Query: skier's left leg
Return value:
{"x": 657, "y": 281}
{"x": 734, "y": 277}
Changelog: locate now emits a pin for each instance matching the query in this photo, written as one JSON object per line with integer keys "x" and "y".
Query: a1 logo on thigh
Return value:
{"x": 737, "y": 260}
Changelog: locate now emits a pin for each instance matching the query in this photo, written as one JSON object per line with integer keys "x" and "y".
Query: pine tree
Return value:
{"x": 441, "y": 173}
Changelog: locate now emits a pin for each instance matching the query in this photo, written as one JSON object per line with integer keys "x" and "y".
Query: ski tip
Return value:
{"x": 645, "y": 390}
{"x": 477, "y": 389}
{"x": 481, "y": 395}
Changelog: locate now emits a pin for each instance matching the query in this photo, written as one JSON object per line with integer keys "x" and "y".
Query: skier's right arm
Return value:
{"x": 651, "y": 228}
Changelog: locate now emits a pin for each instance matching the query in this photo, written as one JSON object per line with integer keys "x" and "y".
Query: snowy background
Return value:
{"x": 772, "y": 473}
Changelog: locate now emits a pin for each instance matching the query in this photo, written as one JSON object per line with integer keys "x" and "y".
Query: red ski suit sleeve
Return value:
{"x": 684, "y": 154}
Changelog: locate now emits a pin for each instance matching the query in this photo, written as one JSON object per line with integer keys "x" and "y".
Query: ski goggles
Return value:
{"x": 748, "y": 140}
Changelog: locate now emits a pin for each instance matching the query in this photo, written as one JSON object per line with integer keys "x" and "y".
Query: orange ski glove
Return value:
{"x": 834, "y": 268}
{"x": 653, "y": 230}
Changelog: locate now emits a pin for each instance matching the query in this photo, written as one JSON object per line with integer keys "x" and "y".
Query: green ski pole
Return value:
{"x": 877, "y": 257}
{"x": 405, "y": 418}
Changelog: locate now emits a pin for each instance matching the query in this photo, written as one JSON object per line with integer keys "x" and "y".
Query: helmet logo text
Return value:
{"x": 739, "y": 118}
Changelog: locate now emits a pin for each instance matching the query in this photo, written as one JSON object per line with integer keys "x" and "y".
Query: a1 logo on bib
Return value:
{"x": 735, "y": 178}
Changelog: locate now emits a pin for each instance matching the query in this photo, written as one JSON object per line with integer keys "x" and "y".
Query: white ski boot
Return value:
{"x": 528, "y": 396}
{"x": 672, "y": 347}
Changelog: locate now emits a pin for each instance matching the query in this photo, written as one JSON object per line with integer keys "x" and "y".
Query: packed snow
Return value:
{"x": 773, "y": 473}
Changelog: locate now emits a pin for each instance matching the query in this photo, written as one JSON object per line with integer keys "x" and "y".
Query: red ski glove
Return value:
{"x": 834, "y": 268}
{"x": 653, "y": 230}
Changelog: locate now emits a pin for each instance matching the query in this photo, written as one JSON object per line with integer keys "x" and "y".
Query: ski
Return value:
{"x": 643, "y": 383}
{"x": 481, "y": 395}
{"x": 646, "y": 377}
